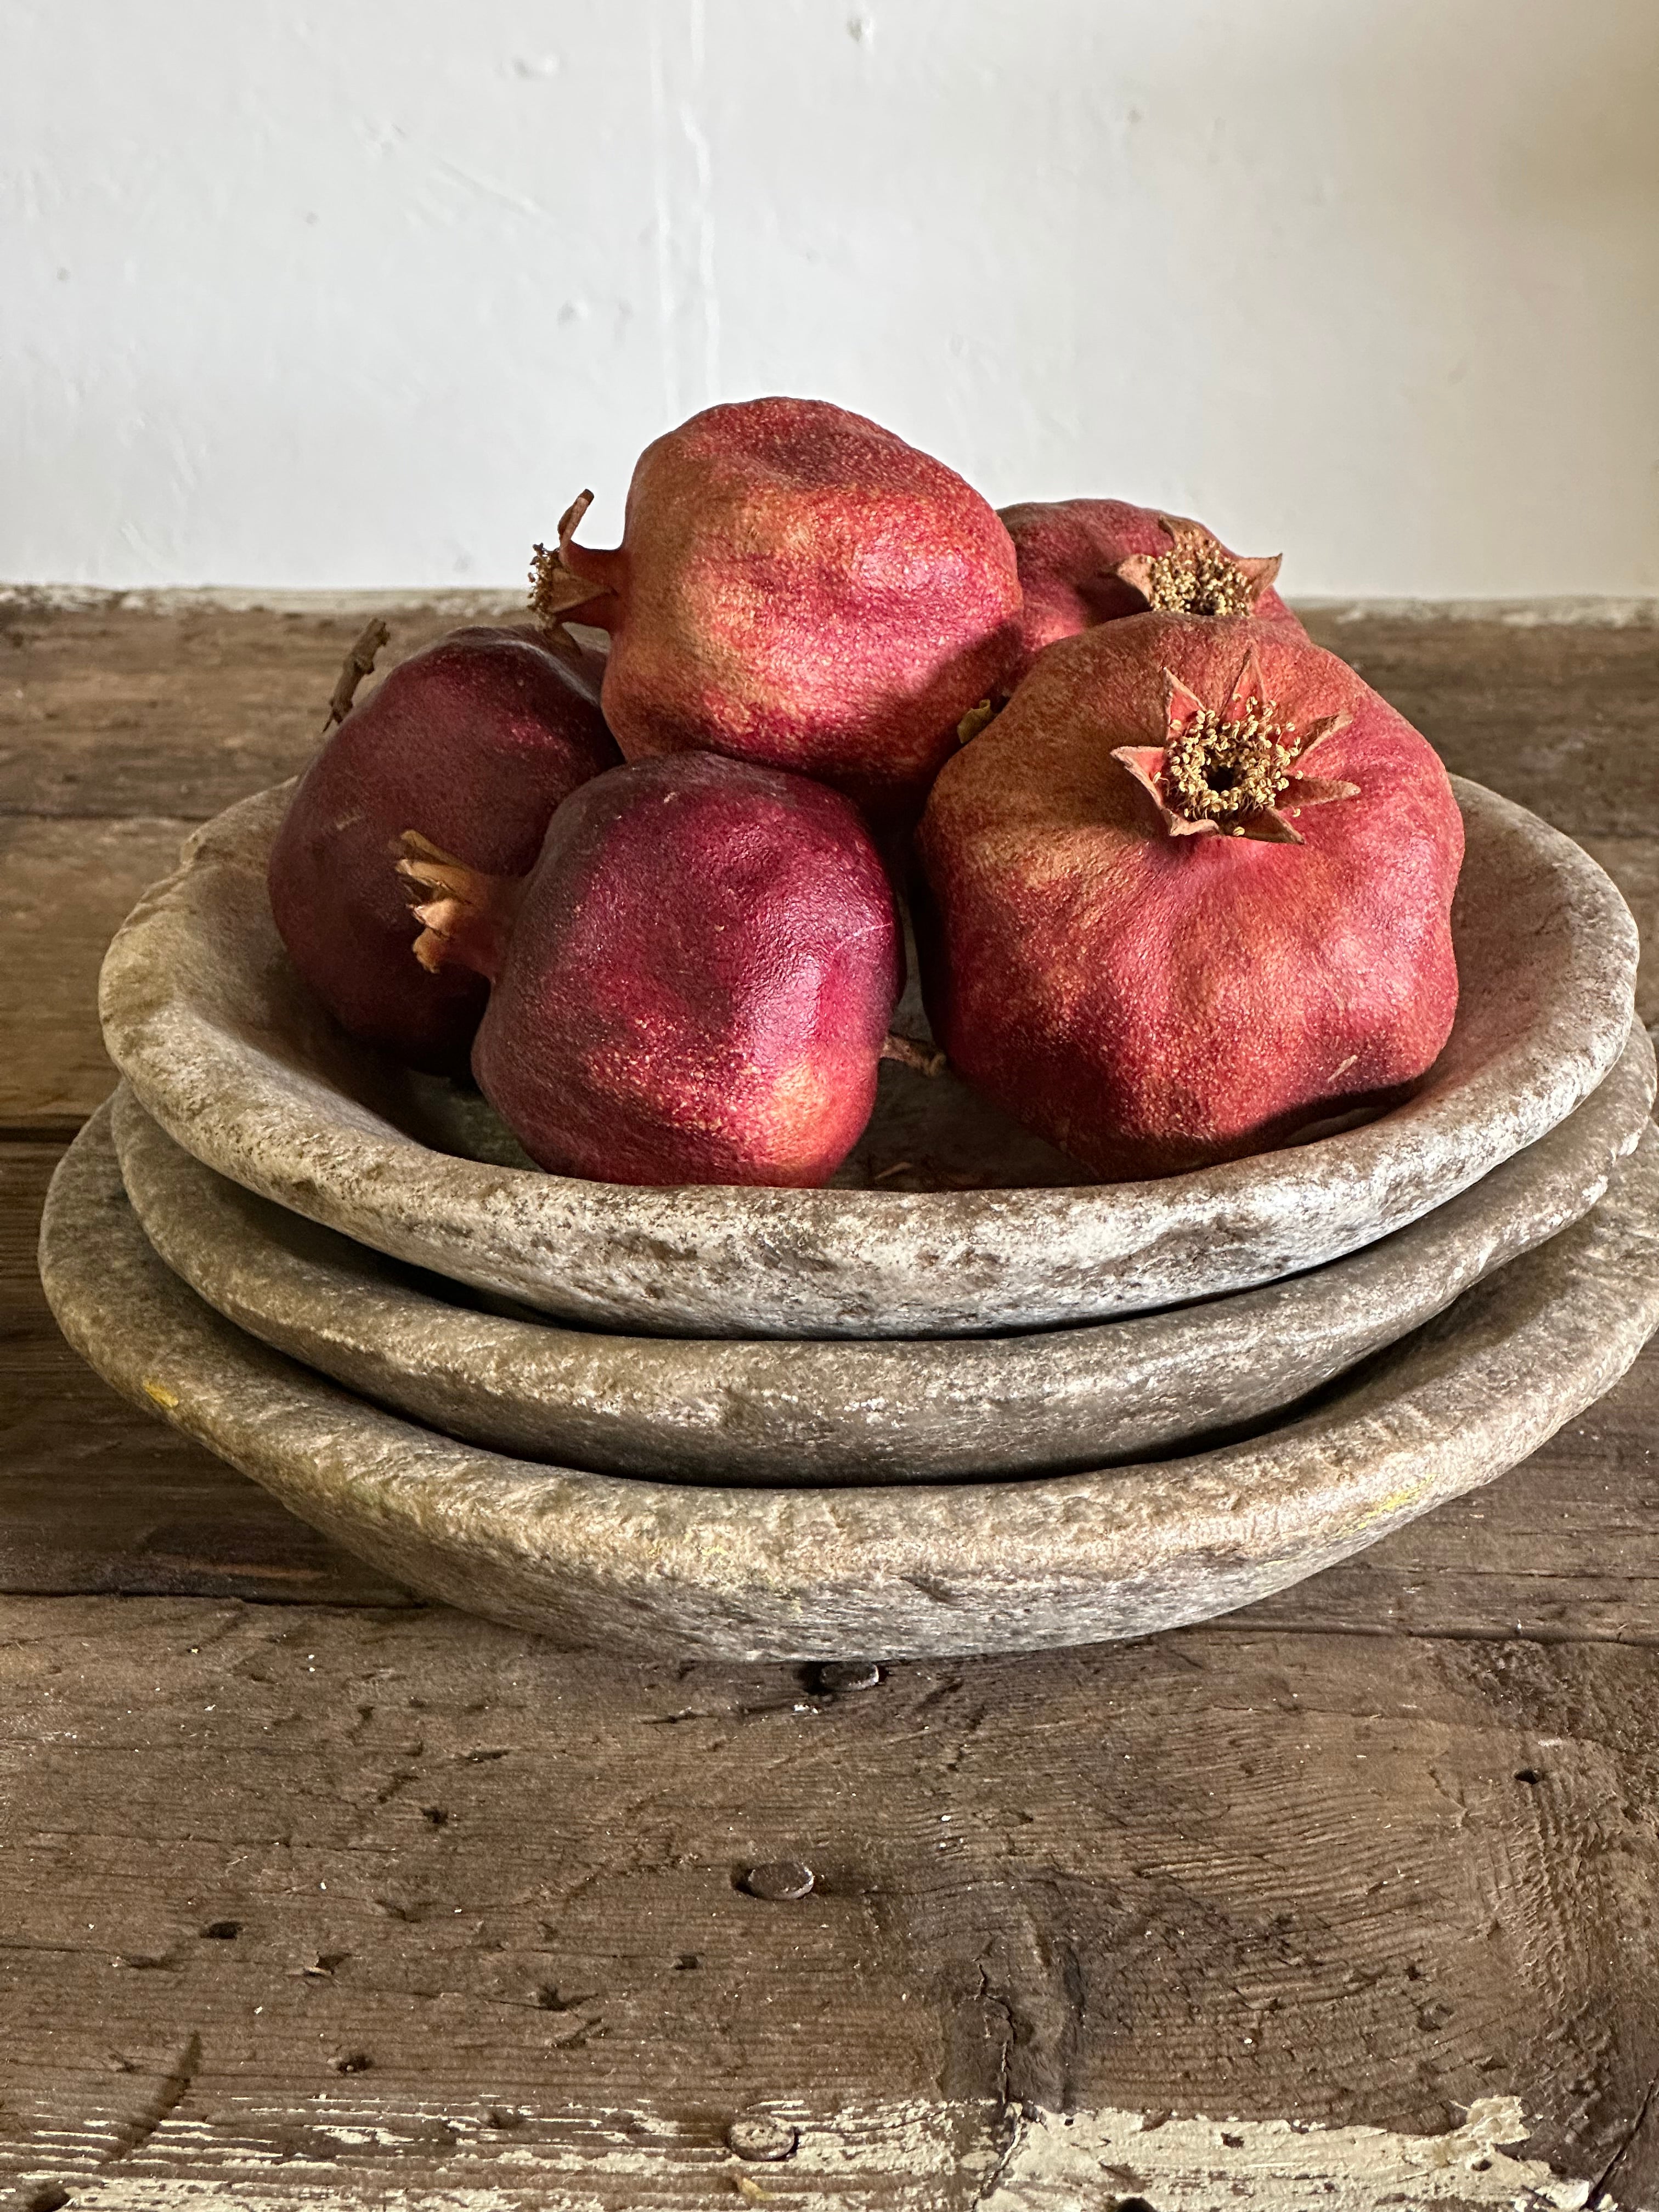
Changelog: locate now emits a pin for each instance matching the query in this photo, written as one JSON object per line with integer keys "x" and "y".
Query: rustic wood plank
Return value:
{"x": 1562, "y": 1548}
{"x": 65, "y": 887}
{"x": 895, "y": 2155}
{"x": 269, "y": 1875}
{"x": 1633, "y": 863}
{"x": 176, "y": 704}
{"x": 169, "y": 704}
{"x": 93, "y": 1497}
{"x": 1562, "y": 716}
{"x": 1292, "y": 1863}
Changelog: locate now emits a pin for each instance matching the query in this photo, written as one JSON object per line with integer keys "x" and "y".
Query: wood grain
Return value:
{"x": 176, "y": 708}
{"x": 334, "y": 1897}
{"x": 1633, "y": 863}
{"x": 452, "y": 1870}
{"x": 1564, "y": 717}
{"x": 94, "y": 1497}
{"x": 179, "y": 707}
{"x": 65, "y": 888}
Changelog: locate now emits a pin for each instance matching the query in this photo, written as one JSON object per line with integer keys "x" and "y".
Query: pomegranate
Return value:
{"x": 1188, "y": 894}
{"x": 1089, "y": 560}
{"x": 479, "y": 737}
{"x": 798, "y": 587}
{"x": 692, "y": 984}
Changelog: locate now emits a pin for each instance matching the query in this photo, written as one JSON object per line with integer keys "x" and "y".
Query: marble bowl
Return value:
{"x": 224, "y": 1046}
{"x": 829, "y": 1413}
{"x": 650, "y": 1568}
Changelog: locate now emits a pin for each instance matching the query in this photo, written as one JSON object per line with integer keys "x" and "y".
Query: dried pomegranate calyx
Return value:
{"x": 1196, "y": 575}
{"x": 1223, "y": 763}
{"x": 556, "y": 587}
{"x": 466, "y": 915}
{"x": 1232, "y": 768}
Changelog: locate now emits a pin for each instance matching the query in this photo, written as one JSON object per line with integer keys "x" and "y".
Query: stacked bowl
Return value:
{"x": 962, "y": 1401}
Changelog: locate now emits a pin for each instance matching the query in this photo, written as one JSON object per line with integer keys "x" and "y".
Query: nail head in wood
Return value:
{"x": 779, "y": 1881}
{"x": 759, "y": 2136}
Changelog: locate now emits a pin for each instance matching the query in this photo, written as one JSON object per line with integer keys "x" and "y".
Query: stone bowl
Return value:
{"x": 923, "y": 1570}
{"x": 827, "y": 1413}
{"x": 225, "y": 1047}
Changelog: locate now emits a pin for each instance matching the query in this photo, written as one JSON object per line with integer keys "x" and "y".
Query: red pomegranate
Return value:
{"x": 798, "y": 587}
{"x": 693, "y": 984}
{"x": 479, "y": 737}
{"x": 1188, "y": 894}
{"x": 1089, "y": 560}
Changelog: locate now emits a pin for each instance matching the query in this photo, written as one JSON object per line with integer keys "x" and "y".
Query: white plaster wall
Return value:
{"x": 359, "y": 292}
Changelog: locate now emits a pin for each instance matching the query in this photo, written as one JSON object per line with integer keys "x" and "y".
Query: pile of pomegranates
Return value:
{"x": 1182, "y": 882}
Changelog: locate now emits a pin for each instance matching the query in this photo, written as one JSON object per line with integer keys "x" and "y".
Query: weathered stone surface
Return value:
{"x": 909, "y": 1410}
{"x": 877, "y": 1572}
{"x": 204, "y": 1016}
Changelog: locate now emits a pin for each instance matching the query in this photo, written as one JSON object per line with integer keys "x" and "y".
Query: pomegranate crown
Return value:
{"x": 1195, "y": 574}
{"x": 466, "y": 916}
{"x": 1232, "y": 768}
{"x": 556, "y": 587}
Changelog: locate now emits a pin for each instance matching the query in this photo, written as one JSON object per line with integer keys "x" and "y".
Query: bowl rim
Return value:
{"x": 648, "y": 1568}
{"x": 851, "y": 1412}
{"x": 727, "y": 1260}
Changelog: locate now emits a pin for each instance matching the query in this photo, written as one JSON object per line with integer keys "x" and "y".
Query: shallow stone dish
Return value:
{"x": 827, "y": 1413}
{"x": 932, "y": 1570}
{"x": 225, "y": 1047}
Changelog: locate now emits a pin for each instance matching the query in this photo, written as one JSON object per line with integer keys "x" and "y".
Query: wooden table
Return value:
{"x": 311, "y": 1892}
